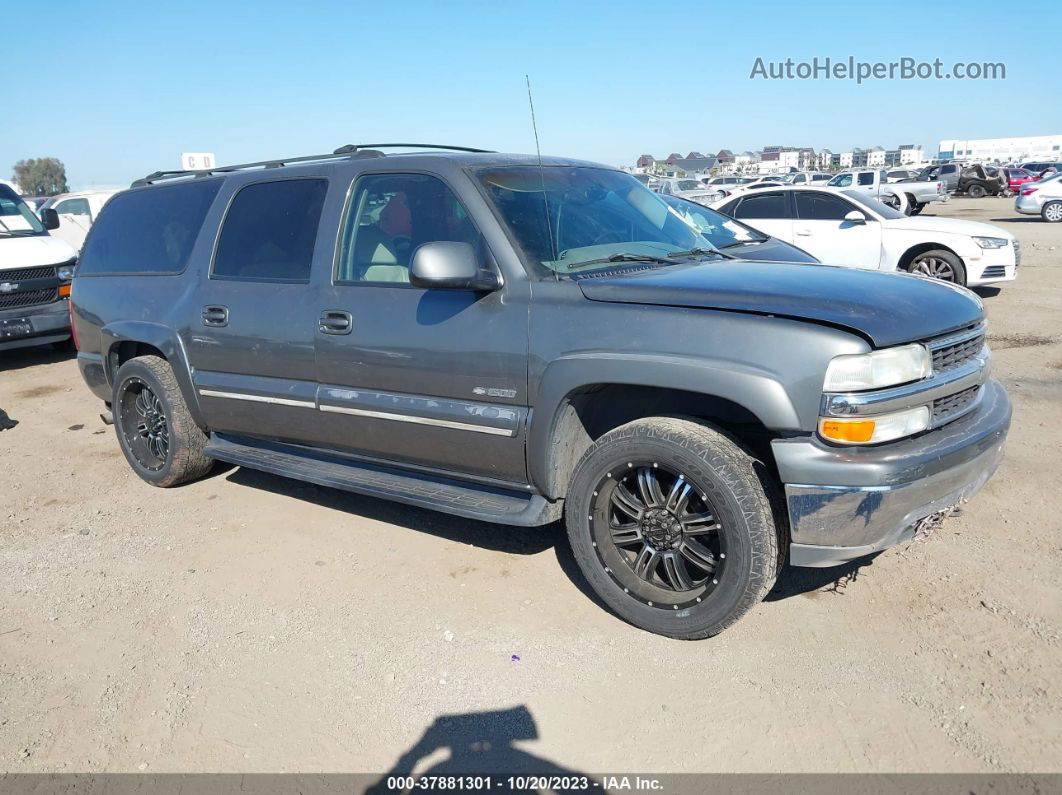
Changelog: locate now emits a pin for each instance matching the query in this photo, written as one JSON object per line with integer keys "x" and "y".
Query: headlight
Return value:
{"x": 66, "y": 272}
{"x": 889, "y": 367}
{"x": 991, "y": 242}
{"x": 874, "y": 430}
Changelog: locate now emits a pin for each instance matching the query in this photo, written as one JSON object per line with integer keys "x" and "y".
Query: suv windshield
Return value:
{"x": 566, "y": 218}
{"x": 689, "y": 184}
{"x": 16, "y": 218}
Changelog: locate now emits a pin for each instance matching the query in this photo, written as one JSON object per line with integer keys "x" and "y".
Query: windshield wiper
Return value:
{"x": 744, "y": 243}
{"x": 699, "y": 252}
{"x": 623, "y": 258}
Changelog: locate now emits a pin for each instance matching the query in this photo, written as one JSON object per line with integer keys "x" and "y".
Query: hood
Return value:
{"x": 952, "y": 226}
{"x": 33, "y": 252}
{"x": 773, "y": 250}
{"x": 886, "y": 308}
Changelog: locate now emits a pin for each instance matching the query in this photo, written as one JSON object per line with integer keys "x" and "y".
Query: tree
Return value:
{"x": 45, "y": 176}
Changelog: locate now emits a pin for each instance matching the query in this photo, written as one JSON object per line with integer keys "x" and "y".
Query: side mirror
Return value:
{"x": 855, "y": 217}
{"x": 50, "y": 218}
{"x": 446, "y": 265}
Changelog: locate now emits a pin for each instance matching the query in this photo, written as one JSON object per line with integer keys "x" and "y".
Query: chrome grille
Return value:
{"x": 28, "y": 298}
{"x": 949, "y": 355}
{"x": 47, "y": 272}
{"x": 1017, "y": 252}
{"x": 949, "y": 408}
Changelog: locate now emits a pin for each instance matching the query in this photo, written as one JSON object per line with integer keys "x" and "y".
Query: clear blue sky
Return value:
{"x": 118, "y": 88}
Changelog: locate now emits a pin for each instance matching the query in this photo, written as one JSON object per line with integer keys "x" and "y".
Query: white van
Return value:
{"x": 35, "y": 274}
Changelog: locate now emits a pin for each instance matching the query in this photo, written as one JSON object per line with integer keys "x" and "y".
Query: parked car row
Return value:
{"x": 520, "y": 340}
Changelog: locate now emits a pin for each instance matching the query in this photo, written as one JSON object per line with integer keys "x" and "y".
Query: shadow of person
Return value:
{"x": 481, "y": 744}
{"x": 6, "y": 422}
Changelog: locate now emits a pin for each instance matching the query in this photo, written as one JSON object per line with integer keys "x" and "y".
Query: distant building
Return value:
{"x": 1002, "y": 150}
{"x": 910, "y": 153}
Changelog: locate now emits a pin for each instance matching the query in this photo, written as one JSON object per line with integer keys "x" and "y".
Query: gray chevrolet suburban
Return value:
{"x": 516, "y": 340}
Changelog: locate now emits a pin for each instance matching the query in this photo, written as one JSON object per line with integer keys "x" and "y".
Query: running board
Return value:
{"x": 470, "y": 500}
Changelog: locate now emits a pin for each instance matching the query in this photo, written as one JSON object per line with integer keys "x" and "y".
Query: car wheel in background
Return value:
{"x": 939, "y": 264}
{"x": 976, "y": 192}
{"x": 673, "y": 527}
{"x": 917, "y": 207}
{"x": 891, "y": 200}
{"x": 1052, "y": 212}
{"x": 156, "y": 432}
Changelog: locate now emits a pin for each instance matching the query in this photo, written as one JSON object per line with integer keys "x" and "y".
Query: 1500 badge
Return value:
{"x": 494, "y": 392}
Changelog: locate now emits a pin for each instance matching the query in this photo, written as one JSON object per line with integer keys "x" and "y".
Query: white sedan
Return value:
{"x": 845, "y": 227}
{"x": 1042, "y": 198}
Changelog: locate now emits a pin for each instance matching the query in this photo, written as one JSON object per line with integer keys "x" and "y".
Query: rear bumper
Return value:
{"x": 34, "y": 325}
{"x": 846, "y": 503}
{"x": 1029, "y": 205}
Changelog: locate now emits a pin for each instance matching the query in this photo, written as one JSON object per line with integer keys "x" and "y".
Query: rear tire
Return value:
{"x": 976, "y": 192}
{"x": 157, "y": 434}
{"x": 672, "y": 526}
{"x": 1052, "y": 212}
{"x": 917, "y": 208}
{"x": 939, "y": 264}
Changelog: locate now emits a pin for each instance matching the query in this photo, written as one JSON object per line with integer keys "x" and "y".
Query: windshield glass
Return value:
{"x": 16, "y": 218}
{"x": 689, "y": 184}
{"x": 721, "y": 230}
{"x": 593, "y": 214}
{"x": 883, "y": 210}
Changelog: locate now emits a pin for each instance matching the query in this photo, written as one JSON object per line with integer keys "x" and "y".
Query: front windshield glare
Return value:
{"x": 16, "y": 218}
{"x": 882, "y": 209}
{"x": 565, "y": 217}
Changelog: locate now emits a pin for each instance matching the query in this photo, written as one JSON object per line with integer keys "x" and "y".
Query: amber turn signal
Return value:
{"x": 850, "y": 431}
{"x": 64, "y": 290}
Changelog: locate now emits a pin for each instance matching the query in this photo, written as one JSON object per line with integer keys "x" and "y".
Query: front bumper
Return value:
{"x": 34, "y": 325}
{"x": 845, "y": 503}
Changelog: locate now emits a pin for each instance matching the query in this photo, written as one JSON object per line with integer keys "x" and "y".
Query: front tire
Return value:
{"x": 156, "y": 431}
{"x": 917, "y": 208}
{"x": 939, "y": 264}
{"x": 672, "y": 527}
{"x": 1052, "y": 212}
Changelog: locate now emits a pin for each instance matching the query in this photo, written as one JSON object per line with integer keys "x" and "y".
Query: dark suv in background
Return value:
{"x": 515, "y": 339}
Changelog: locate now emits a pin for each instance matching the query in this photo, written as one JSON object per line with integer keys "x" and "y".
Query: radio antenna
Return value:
{"x": 541, "y": 175}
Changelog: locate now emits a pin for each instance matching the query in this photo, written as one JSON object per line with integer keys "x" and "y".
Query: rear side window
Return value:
{"x": 269, "y": 231}
{"x": 764, "y": 205}
{"x": 148, "y": 231}
{"x": 866, "y": 178}
{"x": 821, "y": 207}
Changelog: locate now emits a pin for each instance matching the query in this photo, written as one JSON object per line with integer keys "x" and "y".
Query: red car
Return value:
{"x": 1016, "y": 177}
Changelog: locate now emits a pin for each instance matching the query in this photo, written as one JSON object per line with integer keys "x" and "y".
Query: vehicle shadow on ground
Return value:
{"x": 1027, "y": 219}
{"x": 794, "y": 581}
{"x": 20, "y": 358}
{"x": 986, "y": 292}
{"x": 482, "y": 743}
{"x": 496, "y": 537}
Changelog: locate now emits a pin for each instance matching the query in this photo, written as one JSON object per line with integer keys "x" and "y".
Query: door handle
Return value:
{"x": 335, "y": 321}
{"x": 215, "y": 316}
{"x": 803, "y": 232}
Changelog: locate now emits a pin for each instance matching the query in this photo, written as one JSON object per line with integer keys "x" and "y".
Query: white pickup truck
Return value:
{"x": 907, "y": 197}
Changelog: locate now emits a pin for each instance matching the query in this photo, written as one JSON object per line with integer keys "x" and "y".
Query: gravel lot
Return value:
{"x": 251, "y": 623}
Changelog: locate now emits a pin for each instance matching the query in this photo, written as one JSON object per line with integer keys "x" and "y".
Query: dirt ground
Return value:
{"x": 251, "y": 623}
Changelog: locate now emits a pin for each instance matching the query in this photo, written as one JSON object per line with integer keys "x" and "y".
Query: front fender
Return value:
{"x": 756, "y": 390}
{"x": 157, "y": 336}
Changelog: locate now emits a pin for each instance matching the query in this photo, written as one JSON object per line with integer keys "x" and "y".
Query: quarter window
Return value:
{"x": 148, "y": 230}
{"x": 763, "y": 205}
{"x": 270, "y": 230}
{"x": 389, "y": 216}
{"x": 866, "y": 178}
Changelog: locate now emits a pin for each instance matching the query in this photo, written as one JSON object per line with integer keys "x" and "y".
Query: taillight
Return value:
{"x": 1028, "y": 191}
{"x": 73, "y": 328}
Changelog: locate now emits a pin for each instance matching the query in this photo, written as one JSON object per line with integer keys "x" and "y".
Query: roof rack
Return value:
{"x": 348, "y": 151}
